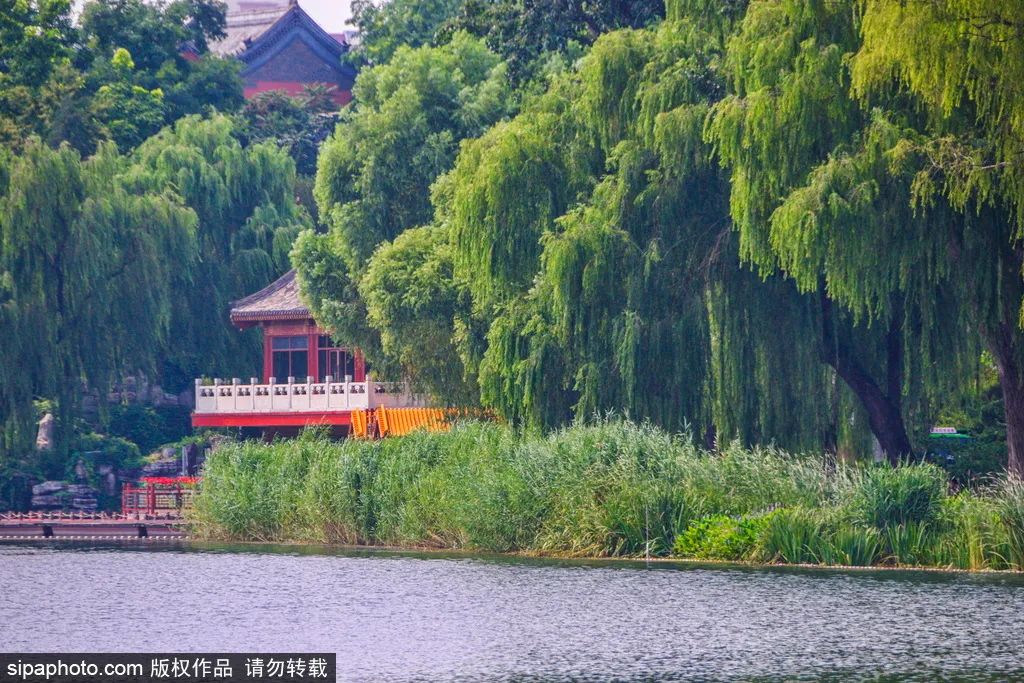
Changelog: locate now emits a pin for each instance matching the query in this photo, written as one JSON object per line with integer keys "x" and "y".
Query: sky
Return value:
{"x": 333, "y": 15}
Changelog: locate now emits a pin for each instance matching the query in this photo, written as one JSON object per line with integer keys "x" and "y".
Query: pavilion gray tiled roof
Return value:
{"x": 245, "y": 25}
{"x": 279, "y": 300}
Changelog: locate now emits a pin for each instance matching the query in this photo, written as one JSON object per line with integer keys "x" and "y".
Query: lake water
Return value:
{"x": 421, "y": 617}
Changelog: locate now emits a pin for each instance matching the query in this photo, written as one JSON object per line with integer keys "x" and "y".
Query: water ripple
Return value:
{"x": 402, "y": 617}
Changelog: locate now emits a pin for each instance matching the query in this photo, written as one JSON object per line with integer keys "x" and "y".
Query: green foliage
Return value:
{"x": 100, "y": 449}
{"x": 148, "y": 427}
{"x": 152, "y": 34}
{"x": 373, "y": 182}
{"x": 243, "y": 198}
{"x": 298, "y": 124}
{"x": 632, "y": 300}
{"x": 412, "y": 298}
{"x": 508, "y": 187}
{"x": 959, "y": 71}
{"x": 409, "y": 115}
{"x": 1011, "y": 513}
{"x": 526, "y": 34}
{"x": 75, "y": 241}
{"x": 127, "y": 113}
{"x": 962, "y": 59}
{"x": 101, "y": 258}
{"x": 885, "y": 497}
{"x": 34, "y": 37}
{"x": 607, "y": 488}
{"x": 721, "y": 537}
{"x": 611, "y": 488}
{"x": 119, "y": 75}
{"x": 792, "y": 536}
{"x": 384, "y": 28}
{"x": 853, "y": 546}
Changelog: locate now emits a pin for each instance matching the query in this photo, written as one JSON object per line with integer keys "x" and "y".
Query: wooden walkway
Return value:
{"x": 91, "y": 525}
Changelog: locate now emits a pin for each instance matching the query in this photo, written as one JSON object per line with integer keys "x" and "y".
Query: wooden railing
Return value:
{"x": 157, "y": 501}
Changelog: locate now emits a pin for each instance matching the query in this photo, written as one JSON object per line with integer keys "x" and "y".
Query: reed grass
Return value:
{"x": 609, "y": 488}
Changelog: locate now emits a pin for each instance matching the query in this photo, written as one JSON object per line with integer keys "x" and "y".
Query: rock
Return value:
{"x": 59, "y": 495}
{"x": 187, "y": 399}
{"x": 44, "y": 436}
{"x": 81, "y": 471}
{"x": 54, "y": 502}
{"x": 110, "y": 483}
{"x": 47, "y": 487}
{"x": 108, "y": 477}
{"x": 168, "y": 464}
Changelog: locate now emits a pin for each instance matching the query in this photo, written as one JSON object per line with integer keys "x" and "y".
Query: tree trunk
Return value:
{"x": 884, "y": 408}
{"x": 1004, "y": 348}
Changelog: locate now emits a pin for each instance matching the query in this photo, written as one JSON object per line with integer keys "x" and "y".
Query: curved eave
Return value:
{"x": 276, "y": 38}
{"x": 245, "y": 319}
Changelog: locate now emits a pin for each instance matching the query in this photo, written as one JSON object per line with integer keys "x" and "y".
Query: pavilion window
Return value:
{"x": 290, "y": 357}
{"x": 334, "y": 360}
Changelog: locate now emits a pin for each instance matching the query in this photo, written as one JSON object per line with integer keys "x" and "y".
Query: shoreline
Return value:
{"x": 450, "y": 553}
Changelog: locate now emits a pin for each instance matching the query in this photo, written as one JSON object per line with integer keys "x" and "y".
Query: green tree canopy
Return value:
{"x": 374, "y": 181}
{"x": 120, "y": 76}
{"x": 812, "y": 196}
{"x": 526, "y": 34}
{"x": 247, "y": 219}
{"x": 87, "y": 266}
{"x": 384, "y": 27}
{"x": 632, "y": 300}
{"x": 956, "y": 142}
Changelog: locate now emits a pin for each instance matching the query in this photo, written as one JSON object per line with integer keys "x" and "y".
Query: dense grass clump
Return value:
{"x": 604, "y": 489}
{"x": 611, "y": 488}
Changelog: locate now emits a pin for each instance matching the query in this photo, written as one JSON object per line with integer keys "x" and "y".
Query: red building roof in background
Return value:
{"x": 283, "y": 48}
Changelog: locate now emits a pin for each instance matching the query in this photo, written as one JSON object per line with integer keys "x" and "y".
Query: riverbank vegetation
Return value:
{"x": 611, "y": 488}
{"x": 780, "y": 222}
{"x": 761, "y": 220}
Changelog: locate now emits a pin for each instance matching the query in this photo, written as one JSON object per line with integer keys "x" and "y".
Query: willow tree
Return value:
{"x": 961, "y": 64}
{"x": 813, "y": 196}
{"x": 502, "y": 197}
{"x": 633, "y": 300}
{"x": 403, "y": 131}
{"x": 86, "y": 273}
{"x": 414, "y": 302}
{"x": 244, "y": 199}
{"x": 374, "y": 179}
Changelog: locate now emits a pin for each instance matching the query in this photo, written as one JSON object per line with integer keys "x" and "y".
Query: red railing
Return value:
{"x": 157, "y": 499}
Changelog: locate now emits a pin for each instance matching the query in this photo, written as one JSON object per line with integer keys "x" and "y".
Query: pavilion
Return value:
{"x": 309, "y": 378}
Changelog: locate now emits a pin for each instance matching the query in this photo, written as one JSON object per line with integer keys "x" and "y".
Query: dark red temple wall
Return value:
{"x": 294, "y": 67}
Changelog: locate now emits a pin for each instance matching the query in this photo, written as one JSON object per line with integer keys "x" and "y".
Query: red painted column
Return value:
{"x": 360, "y": 368}
{"x": 268, "y": 356}
{"x": 314, "y": 355}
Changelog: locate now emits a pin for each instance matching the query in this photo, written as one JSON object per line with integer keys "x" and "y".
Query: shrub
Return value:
{"x": 100, "y": 449}
{"x": 721, "y": 537}
{"x": 609, "y": 488}
{"x": 147, "y": 426}
{"x": 913, "y": 543}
